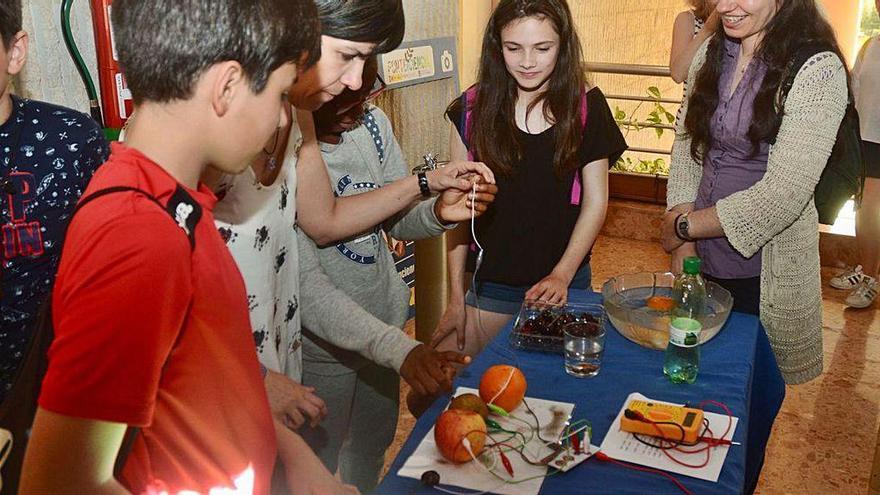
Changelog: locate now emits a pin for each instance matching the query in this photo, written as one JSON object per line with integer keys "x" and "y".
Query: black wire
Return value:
{"x": 672, "y": 442}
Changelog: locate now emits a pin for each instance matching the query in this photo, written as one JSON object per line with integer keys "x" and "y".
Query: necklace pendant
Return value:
{"x": 271, "y": 163}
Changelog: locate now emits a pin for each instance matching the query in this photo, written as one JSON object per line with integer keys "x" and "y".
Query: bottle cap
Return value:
{"x": 692, "y": 265}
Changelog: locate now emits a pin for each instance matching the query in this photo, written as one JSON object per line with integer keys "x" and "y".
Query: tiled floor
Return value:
{"x": 823, "y": 441}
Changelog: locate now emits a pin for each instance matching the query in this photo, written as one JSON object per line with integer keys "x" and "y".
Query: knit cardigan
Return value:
{"x": 777, "y": 215}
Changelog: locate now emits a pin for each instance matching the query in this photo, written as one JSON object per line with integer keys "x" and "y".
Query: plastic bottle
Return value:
{"x": 682, "y": 360}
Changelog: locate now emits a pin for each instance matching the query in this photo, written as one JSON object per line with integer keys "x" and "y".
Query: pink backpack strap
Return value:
{"x": 469, "y": 97}
{"x": 576, "y": 187}
{"x": 467, "y": 103}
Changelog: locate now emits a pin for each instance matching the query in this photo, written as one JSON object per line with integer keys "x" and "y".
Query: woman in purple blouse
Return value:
{"x": 744, "y": 204}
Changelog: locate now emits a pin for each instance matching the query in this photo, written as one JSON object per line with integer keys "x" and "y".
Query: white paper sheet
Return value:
{"x": 623, "y": 446}
{"x": 553, "y": 417}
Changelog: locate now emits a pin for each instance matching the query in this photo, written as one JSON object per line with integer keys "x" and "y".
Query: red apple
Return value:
{"x": 453, "y": 426}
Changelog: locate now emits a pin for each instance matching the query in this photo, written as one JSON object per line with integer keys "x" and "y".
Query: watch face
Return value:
{"x": 683, "y": 227}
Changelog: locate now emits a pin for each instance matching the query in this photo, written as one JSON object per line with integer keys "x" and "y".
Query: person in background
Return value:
{"x": 353, "y": 292}
{"x": 152, "y": 338}
{"x": 744, "y": 206}
{"x": 550, "y": 139}
{"x": 862, "y": 279}
{"x": 287, "y": 188}
{"x": 48, "y": 154}
{"x": 691, "y": 29}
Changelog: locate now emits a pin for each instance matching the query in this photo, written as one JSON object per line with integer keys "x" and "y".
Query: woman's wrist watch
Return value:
{"x": 682, "y": 225}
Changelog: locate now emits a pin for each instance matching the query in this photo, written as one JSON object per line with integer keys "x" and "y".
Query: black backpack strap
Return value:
{"x": 463, "y": 120}
{"x": 183, "y": 209}
{"x": 186, "y": 213}
{"x": 802, "y": 55}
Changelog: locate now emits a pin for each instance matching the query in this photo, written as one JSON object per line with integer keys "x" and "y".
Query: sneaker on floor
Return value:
{"x": 864, "y": 294}
{"x": 849, "y": 279}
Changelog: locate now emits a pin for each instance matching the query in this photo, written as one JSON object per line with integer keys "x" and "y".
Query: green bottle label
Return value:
{"x": 685, "y": 332}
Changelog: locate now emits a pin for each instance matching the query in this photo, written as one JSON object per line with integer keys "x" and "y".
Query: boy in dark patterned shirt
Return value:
{"x": 47, "y": 156}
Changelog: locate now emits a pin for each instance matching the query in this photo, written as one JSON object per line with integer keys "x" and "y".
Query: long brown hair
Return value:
{"x": 702, "y": 8}
{"x": 493, "y": 135}
{"x": 797, "y": 23}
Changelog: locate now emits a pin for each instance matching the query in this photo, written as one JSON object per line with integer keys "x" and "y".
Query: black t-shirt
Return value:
{"x": 526, "y": 230}
{"x": 48, "y": 154}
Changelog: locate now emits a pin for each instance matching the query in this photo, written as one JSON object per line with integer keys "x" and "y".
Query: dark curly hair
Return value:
{"x": 797, "y": 23}
{"x": 493, "y": 137}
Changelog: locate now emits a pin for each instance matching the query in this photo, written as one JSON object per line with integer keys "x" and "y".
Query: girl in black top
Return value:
{"x": 549, "y": 140}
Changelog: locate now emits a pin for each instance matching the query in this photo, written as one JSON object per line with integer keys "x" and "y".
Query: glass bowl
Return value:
{"x": 538, "y": 326}
{"x": 626, "y": 299}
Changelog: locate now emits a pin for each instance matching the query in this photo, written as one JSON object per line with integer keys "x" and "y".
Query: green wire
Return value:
{"x": 81, "y": 68}
{"x": 74, "y": 51}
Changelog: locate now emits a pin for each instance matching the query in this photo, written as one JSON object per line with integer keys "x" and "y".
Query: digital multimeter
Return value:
{"x": 651, "y": 418}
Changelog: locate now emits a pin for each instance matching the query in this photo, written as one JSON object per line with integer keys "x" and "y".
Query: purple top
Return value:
{"x": 729, "y": 166}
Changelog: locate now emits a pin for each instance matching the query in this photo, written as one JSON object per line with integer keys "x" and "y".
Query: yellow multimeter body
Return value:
{"x": 690, "y": 420}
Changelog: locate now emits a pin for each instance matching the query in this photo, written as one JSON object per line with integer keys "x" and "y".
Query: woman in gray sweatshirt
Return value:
{"x": 351, "y": 291}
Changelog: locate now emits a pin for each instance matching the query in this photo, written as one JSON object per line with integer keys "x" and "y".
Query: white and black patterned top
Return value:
{"x": 258, "y": 223}
{"x": 48, "y": 154}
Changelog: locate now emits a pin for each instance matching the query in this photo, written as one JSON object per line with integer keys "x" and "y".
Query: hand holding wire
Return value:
{"x": 455, "y": 205}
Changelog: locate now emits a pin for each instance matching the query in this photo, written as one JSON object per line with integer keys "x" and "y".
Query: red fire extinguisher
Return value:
{"x": 116, "y": 98}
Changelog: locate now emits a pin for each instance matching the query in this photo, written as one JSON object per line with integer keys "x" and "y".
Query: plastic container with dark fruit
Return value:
{"x": 539, "y": 325}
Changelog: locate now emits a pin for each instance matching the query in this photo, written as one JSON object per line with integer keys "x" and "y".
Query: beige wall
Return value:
{"x": 844, "y": 16}
{"x": 50, "y": 74}
{"x": 474, "y": 17}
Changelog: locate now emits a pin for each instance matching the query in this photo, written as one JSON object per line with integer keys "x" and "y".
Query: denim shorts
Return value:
{"x": 507, "y": 299}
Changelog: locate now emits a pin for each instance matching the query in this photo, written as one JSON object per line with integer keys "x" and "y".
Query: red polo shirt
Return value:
{"x": 132, "y": 298}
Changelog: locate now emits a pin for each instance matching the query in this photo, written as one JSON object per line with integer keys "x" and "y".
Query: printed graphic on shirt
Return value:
{"x": 257, "y": 224}
{"x": 47, "y": 156}
{"x": 364, "y": 249}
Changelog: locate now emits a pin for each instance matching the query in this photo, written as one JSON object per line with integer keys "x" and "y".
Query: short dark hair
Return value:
{"x": 166, "y": 45}
{"x": 369, "y": 21}
{"x": 10, "y": 20}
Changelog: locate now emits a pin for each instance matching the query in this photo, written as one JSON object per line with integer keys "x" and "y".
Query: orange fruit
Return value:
{"x": 504, "y": 386}
{"x": 660, "y": 303}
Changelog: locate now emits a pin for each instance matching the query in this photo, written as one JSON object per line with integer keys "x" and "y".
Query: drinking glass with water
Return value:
{"x": 585, "y": 342}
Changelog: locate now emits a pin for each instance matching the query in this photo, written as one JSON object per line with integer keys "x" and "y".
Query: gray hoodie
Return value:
{"x": 350, "y": 293}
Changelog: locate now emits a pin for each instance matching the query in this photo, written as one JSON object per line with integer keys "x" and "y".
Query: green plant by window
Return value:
{"x": 655, "y": 119}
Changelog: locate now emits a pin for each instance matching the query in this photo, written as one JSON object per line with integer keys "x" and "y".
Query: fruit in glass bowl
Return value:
{"x": 638, "y": 305}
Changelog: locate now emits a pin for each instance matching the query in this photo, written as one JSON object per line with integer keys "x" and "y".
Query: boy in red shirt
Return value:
{"x": 152, "y": 332}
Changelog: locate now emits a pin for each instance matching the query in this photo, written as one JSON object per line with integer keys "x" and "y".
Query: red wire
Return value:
{"x": 673, "y": 459}
{"x": 604, "y": 457}
{"x": 710, "y": 441}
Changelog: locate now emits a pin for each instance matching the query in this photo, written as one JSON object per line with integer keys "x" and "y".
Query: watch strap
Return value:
{"x": 423, "y": 185}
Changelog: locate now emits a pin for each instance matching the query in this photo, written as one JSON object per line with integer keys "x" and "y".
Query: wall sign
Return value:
{"x": 421, "y": 61}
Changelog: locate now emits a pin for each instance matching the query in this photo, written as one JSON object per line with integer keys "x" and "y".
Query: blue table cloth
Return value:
{"x": 737, "y": 368}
